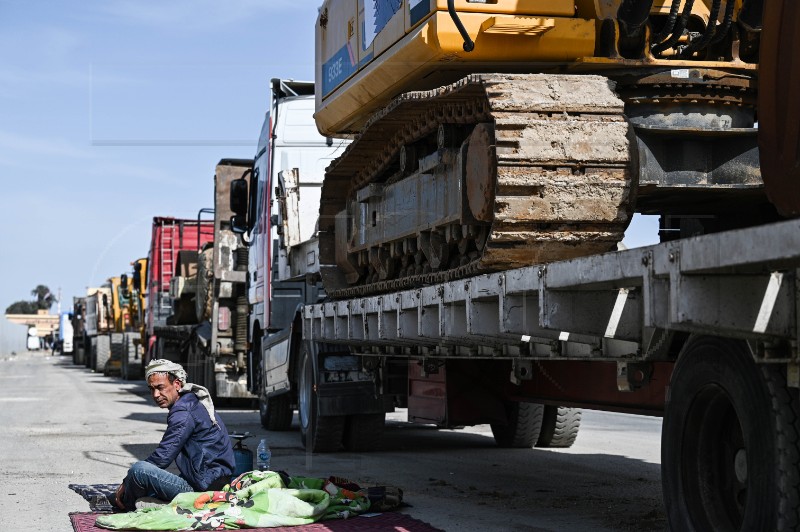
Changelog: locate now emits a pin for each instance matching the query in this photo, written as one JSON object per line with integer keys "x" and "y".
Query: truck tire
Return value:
{"x": 118, "y": 350}
{"x": 102, "y": 353}
{"x": 729, "y": 444}
{"x": 319, "y": 434}
{"x": 524, "y": 423}
{"x": 123, "y": 368}
{"x": 132, "y": 363}
{"x": 363, "y": 432}
{"x": 79, "y": 356}
{"x": 276, "y": 412}
{"x": 560, "y": 426}
{"x": 203, "y": 299}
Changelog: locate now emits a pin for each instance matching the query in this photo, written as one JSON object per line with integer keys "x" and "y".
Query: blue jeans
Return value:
{"x": 147, "y": 480}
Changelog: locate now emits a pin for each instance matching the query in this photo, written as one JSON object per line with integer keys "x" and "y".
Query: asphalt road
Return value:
{"x": 63, "y": 424}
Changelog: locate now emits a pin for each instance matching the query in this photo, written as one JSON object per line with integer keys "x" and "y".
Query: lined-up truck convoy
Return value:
{"x": 207, "y": 330}
{"x": 441, "y": 233}
{"x": 463, "y": 261}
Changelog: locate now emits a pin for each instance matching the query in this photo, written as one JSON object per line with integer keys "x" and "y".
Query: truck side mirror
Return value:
{"x": 137, "y": 276}
{"x": 239, "y": 205}
{"x": 239, "y": 196}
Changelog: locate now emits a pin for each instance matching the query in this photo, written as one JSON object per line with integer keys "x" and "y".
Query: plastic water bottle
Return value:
{"x": 263, "y": 455}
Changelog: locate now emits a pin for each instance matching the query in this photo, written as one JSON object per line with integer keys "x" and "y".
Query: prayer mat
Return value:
{"x": 99, "y": 496}
{"x": 390, "y": 521}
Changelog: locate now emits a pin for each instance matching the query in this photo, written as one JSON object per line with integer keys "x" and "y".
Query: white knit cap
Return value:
{"x": 169, "y": 367}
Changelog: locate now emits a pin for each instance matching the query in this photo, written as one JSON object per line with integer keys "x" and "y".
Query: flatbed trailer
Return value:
{"x": 611, "y": 307}
{"x": 702, "y": 331}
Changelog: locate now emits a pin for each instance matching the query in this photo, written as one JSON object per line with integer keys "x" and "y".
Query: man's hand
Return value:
{"x": 118, "y": 497}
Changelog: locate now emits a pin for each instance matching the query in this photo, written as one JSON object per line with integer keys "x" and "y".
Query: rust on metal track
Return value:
{"x": 559, "y": 179}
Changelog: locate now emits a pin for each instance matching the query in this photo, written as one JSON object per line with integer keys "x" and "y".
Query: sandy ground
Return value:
{"x": 64, "y": 424}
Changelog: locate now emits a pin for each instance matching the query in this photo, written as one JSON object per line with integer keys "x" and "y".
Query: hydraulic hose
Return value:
{"x": 723, "y": 28}
{"x": 702, "y": 42}
{"x": 469, "y": 44}
{"x": 678, "y": 31}
{"x": 670, "y": 24}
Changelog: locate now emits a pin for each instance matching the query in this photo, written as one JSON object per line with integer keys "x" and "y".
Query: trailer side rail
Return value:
{"x": 615, "y": 306}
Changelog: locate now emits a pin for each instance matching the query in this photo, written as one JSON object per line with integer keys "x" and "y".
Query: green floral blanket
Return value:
{"x": 254, "y": 499}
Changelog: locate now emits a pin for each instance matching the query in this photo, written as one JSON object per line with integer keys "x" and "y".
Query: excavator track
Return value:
{"x": 545, "y": 166}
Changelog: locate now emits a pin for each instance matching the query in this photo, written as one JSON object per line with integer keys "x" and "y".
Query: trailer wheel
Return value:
{"x": 560, "y": 426}
{"x": 729, "y": 444}
{"x": 319, "y": 434}
{"x": 102, "y": 353}
{"x": 524, "y": 423}
{"x": 363, "y": 432}
{"x": 276, "y": 412}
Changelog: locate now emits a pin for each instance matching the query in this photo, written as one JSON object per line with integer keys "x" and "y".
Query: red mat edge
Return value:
{"x": 394, "y": 521}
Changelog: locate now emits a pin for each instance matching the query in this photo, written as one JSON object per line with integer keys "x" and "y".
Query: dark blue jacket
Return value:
{"x": 202, "y": 451}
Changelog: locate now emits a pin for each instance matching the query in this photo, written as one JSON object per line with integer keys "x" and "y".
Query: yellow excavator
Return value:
{"x": 493, "y": 134}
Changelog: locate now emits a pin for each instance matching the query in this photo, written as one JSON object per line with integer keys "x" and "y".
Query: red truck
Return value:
{"x": 170, "y": 237}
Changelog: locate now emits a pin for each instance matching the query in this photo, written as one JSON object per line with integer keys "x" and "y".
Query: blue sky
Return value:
{"x": 115, "y": 111}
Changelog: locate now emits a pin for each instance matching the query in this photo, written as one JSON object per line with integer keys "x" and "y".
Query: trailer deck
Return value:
{"x": 618, "y": 306}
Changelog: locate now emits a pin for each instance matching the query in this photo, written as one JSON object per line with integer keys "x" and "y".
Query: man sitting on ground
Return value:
{"x": 196, "y": 439}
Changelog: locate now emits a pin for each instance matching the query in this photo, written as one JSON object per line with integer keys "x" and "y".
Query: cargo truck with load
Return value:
{"x": 168, "y": 237}
{"x": 131, "y": 349}
{"x": 346, "y": 408}
{"x": 108, "y": 325}
{"x": 278, "y": 212}
{"x": 99, "y": 323}
{"x": 207, "y": 330}
{"x": 121, "y": 335}
{"x": 466, "y": 235}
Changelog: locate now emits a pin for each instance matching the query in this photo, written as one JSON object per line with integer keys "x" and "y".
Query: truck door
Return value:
{"x": 259, "y": 259}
